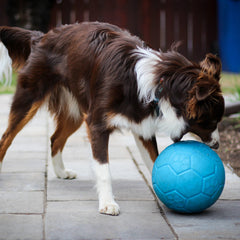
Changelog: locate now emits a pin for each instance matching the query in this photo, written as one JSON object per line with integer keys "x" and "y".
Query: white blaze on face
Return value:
{"x": 214, "y": 139}
{"x": 170, "y": 123}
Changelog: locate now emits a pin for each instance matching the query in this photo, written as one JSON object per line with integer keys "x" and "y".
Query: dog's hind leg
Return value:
{"x": 65, "y": 127}
{"x": 23, "y": 108}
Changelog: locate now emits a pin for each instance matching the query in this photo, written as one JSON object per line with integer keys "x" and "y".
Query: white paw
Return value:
{"x": 66, "y": 174}
{"x": 59, "y": 168}
{"x": 110, "y": 208}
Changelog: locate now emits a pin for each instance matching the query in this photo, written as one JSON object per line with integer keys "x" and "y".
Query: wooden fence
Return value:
{"x": 158, "y": 22}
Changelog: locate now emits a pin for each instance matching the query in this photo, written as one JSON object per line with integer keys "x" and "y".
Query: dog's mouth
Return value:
{"x": 214, "y": 145}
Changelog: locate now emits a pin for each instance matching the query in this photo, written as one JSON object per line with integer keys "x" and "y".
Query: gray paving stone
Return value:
{"x": 21, "y": 202}
{"x": 124, "y": 170}
{"x": 63, "y": 190}
{"x": 123, "y": 138}
{"x": 78, "y": 147}
{"x": 84, "y": 152}
{"x": 232, "y": 186}
{"x": 74, "y": 220}
{"x": 132, "y": 190}
{"x": 24, "y": 161}
{"x": 221, "y": 221}
{"x": 21, "y": 227}
{"x": 92, "y": 206}
{"x": 25, "y": 166}
{"x": 26, "y": 155}
{"x": 34, "y": 130}
{"x": 26, "y": 144}
{"x": 83, "y": 168}
{"x": 22, "y": 182}
{"x": 77, "y": 153}
{"x": 6, "y": 100}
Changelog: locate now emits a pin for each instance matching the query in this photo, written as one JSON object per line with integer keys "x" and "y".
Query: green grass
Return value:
{"x": 231, "y": 84}
{"x": 238, "y": 92}
{"x": 9, "y": 88}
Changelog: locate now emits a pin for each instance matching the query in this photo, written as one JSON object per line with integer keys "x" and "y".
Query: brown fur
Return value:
{"x": 95, "y": 64}
{"x": 151, "y": 146}
{"x": 25, "y": 39}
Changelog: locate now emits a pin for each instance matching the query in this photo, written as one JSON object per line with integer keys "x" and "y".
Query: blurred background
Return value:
{"x": 202, "y": 26}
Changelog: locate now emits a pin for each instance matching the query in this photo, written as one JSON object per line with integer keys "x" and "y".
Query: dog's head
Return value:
{"x": 193, "y": 90}
{"x": 205, "y": 104}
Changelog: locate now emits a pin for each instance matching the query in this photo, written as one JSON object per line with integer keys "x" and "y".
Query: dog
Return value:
{"x": 101, "y": 74}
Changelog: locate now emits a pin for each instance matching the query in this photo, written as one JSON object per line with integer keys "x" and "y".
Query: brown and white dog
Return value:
{"x": 101, "y": 74}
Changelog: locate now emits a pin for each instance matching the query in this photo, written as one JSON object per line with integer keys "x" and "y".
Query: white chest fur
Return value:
{"x": 167, "y": 123}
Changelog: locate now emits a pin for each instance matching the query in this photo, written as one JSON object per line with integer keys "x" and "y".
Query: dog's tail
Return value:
{"x": 15, "y": 48}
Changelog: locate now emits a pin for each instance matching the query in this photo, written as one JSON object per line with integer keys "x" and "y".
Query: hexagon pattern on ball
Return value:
{"x": 188, "y": 177}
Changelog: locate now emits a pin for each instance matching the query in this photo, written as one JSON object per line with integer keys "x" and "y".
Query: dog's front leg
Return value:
{"x": 147, "y": 148}
{"x": 99, "y": 143}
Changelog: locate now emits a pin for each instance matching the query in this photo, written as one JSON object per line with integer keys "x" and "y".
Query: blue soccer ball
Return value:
{"x": 188, "y": 177}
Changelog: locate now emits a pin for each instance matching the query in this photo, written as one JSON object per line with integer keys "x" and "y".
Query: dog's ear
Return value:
{"x": 212, "y": 66}
{"x": 204, "y": 89}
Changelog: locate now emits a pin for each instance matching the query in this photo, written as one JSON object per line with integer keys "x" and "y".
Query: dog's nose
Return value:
{"x": 215, "y": 145}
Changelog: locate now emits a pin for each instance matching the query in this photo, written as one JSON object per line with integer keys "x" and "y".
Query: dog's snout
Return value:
{"x": 215, "y": 145}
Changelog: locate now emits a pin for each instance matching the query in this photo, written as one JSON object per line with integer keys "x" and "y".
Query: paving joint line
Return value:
{"x": 45, "y": 180}
{"x": 156, "y": 200}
